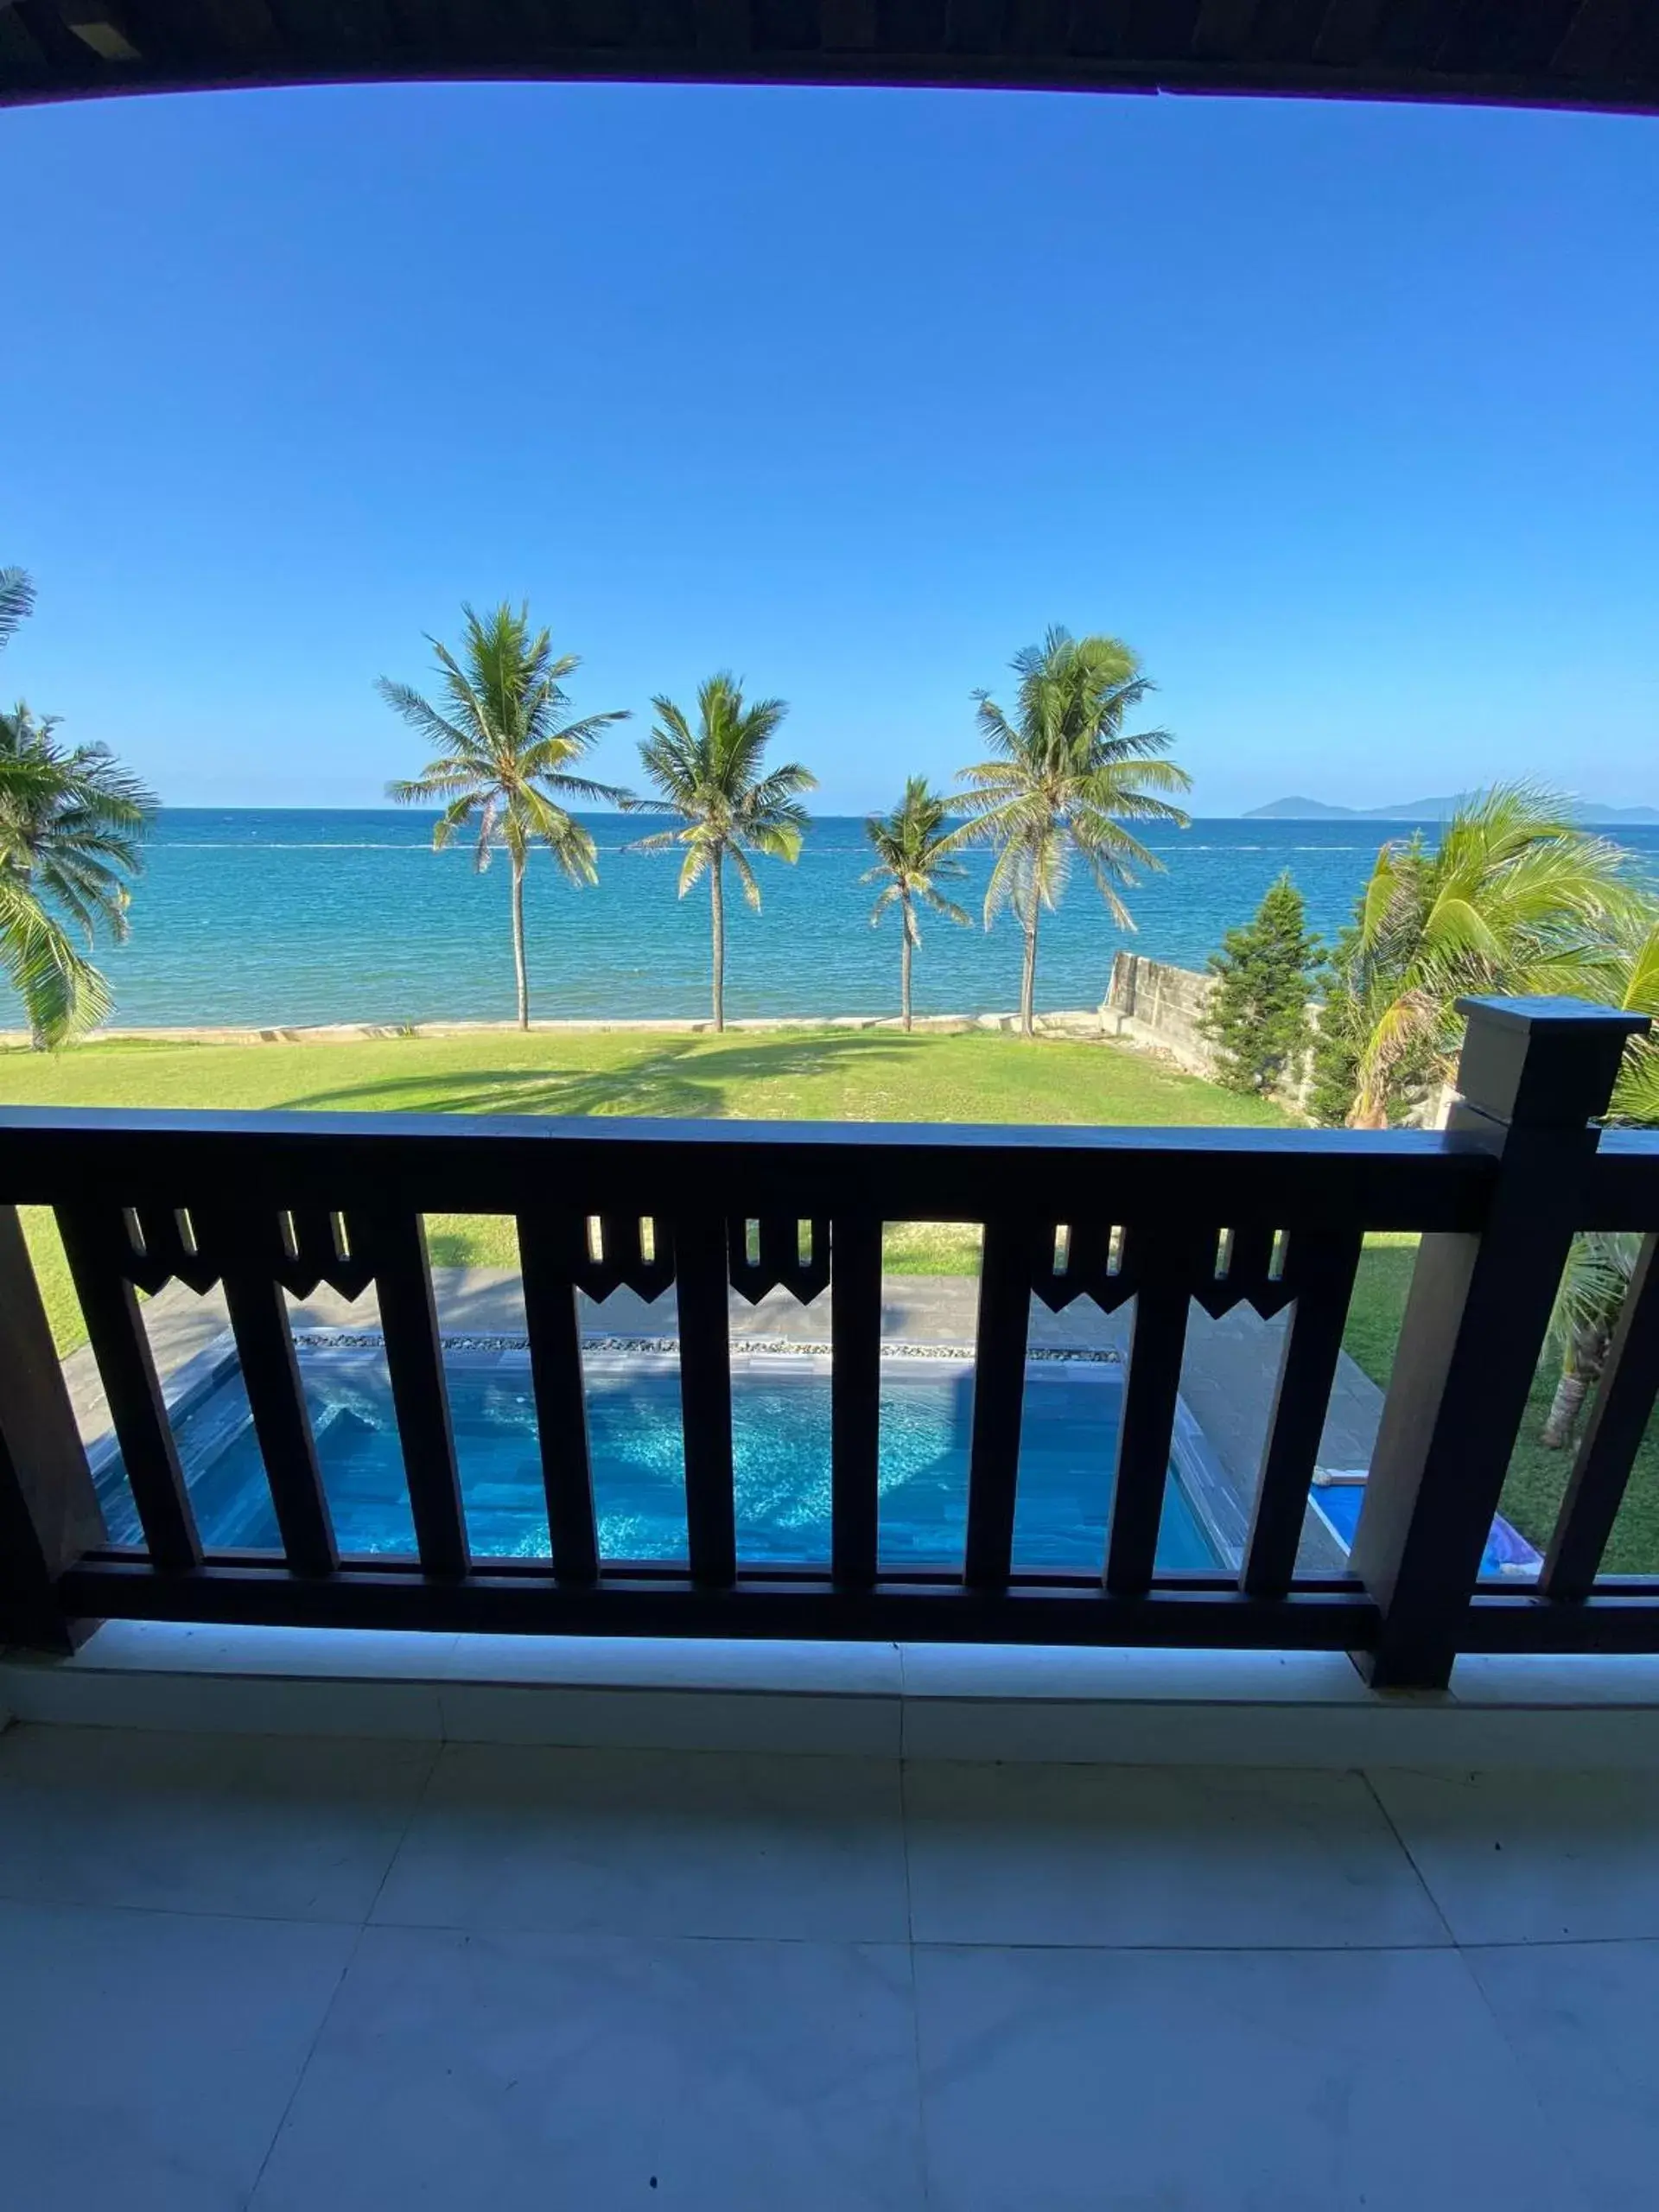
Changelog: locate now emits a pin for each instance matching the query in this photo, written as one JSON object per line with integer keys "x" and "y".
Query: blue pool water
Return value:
{"x": 1507, "y": 1555}
{"x": 781, "y": 1438}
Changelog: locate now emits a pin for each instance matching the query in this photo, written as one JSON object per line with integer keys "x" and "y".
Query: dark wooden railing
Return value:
{"x": 262, "y": 1204}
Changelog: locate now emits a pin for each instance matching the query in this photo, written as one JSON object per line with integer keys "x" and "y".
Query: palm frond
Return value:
{"x": 1599, "y": 1266}
{"x": 62, "y": 993}
{"x": 745, "y": 874}
{"x": 1009, "y": 872}
{"x": 948, "y": 907}
{"x": 420, "y": 715}
{"x": 699, "y": 854}
{"x": 16, "y": 601}
{"x": 711, "y": 773}
{"x": 72, "y": 824}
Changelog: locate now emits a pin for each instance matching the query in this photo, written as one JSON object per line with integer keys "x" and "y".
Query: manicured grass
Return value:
{"x": 796, "y": 1075}
{"x": 800, "y": 1075}
{"x": 1379, "y": 1300}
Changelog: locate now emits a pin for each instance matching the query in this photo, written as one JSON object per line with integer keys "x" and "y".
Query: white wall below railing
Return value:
{"x": 919, "y": 1701}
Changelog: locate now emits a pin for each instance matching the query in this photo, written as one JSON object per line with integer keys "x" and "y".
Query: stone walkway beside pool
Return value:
{"x": 1227, "y": 1381}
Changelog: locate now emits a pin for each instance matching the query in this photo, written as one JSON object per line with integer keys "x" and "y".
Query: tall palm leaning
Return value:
{"x": 714, "y": 777}
{"x": 1064, "y": 778}
{"x": 1515, "y": 898}
{"x": 915, "y": 849}
{"x": 72, "y": 820}
{"x": 504, "y": 753}
{"x": 1601, "y": 1263}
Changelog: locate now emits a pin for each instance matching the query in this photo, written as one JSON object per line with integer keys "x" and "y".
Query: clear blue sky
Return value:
{"x": 1346, "y": 417}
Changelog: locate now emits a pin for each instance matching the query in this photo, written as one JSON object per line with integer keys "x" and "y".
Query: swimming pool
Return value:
{"x": 1508, "y": 1557}
{"x": 780, "y": 1421}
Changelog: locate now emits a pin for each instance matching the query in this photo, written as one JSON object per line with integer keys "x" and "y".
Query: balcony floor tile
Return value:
{"x": 525, "y": 2072}
{"x": 1308, "y": 2081}
{"x": 291, "y": 1828}
{"x": 666, "y": 1843}
{"x": 1515, "y": 1856}
{"x": 146, "y": 2058}
{"x": 1150, "y": 1855}
{"x": 1583, "y": 2020}
{"x": 801, "y": 1982}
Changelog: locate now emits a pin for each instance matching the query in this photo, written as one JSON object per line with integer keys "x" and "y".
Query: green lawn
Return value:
{"x": 1537, "y": 1477}
{"x": 801, "y": 1075}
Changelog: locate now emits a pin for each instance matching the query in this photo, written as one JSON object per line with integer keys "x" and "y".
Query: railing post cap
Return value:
{"x": 1546, "y": 1062}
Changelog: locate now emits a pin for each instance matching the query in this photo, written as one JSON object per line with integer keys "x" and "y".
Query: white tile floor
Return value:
{"x": 275, "y": 1973}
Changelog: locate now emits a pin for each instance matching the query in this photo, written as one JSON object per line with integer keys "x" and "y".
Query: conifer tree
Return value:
{"x": 1257, "y": 1014}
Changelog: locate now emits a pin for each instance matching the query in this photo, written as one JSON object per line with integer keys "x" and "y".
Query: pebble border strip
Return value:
{"x": 367, "y": 1340}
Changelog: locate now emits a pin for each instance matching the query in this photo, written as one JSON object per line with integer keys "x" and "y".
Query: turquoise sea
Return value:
{"x": 310, "y": 916}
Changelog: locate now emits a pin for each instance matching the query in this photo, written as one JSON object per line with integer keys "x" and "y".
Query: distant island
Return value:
{"x": 1422, "y": 809}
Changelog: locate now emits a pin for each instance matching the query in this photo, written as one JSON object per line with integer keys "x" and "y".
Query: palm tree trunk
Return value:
{"x": 1370, "y": 1108}
{"x": 36, "y": 1035}
{"x": 904, "y": 970}
{"x": 521, "y": 974}
{"x": 1028, "y": 973}
{"x": 1581, "y": 1372}
{"x": 1565, "y": 1408}
{"x": 717, "y": 913}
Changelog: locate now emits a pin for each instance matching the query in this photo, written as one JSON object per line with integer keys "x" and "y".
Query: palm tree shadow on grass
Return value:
{"x": 679, "y": 1081}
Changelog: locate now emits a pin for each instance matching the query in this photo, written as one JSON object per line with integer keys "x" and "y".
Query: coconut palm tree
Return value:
{"x": 504, "y": 753}
{"x": 1066, "y": 778}
{"x": 915, "y": 849}
{"x": 1600, "y": 1263}
{"x": 1515, "y": 898}
{"x": 70, "y": 824}
{"x": 712, "y": 777}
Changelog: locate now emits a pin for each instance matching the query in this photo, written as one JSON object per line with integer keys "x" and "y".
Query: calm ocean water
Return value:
{"x": 311, "y": 916}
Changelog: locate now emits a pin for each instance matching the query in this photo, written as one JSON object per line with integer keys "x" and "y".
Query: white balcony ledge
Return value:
{"x": 917, "y": 1702}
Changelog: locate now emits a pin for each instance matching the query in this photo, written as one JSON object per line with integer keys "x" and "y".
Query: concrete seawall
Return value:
{"x": 1149, "y": 1002}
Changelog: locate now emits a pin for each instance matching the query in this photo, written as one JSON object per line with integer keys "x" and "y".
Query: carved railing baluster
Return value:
{"x": 49, "y": 1513}
{"x": 700, "y": 1260}
{"x": 855, "y": 1398}
{"x": 1163, "y": 1265}
{"x": 97, "y": 1244}
{"x": 270, "y": 1373}
{"x": 1319, "y": 1274}
{"x": 778, "y": 1260}
{"x": 999, "y": 1336}
{"x": 394, "y": 1248}
{"x": 551, "y": 1251}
